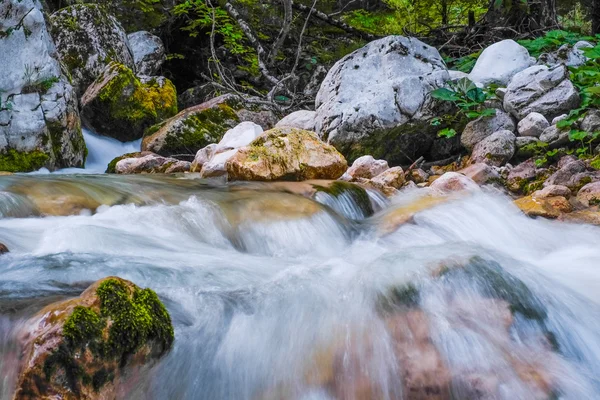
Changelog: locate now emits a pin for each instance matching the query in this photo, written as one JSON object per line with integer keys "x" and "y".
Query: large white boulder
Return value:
{"x": 499, "y": 62}
{"x": 376, "y": 100}
{"x": 148, "y": 52}
{"x": 39, "y": 119}
{"x": 540, "y": 89}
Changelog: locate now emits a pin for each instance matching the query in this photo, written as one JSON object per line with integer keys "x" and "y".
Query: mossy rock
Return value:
{"x": 81, "y": 348}
{"x": 18, "y": 161}
{"x": 110, "y": 169}
{"x": 120, "y": 105}
{"x": 356, "y": 194}
{"x": 286, "y": 154}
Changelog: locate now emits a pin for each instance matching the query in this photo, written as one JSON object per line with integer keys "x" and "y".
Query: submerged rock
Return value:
{"x": 3, "y": 249}
{"x": 196, "y": 127}
{"x": 121, "y": 105}
{"x": 376, "y": 100}
{"x": 83, "y": 348}
{"x": 88, "y": 39}
{"x": 499, "y": 62}
{"x": 39, "y": 119}
{"x": 286, "y": 154}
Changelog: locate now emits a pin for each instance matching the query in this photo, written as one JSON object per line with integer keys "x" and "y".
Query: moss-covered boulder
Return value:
{"x": 88, "y": 38}
{"x": 196, "y": 127}
{"x": 146, "y": 162}
{"x": 121, "y": 105}
{"x": 286, "y": 154}
{"x": 39, "y": 119}
{"x": 82, "y": 348}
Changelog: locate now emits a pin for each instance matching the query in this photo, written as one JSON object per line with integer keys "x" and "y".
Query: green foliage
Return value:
{"x": 552, "y": 41}
{"x": 463, "y": 64}
{"x": 469, "y": 100}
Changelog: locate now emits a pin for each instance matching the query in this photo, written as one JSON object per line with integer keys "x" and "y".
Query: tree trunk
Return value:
{"x": 444, "y": 12}
{"x": 519, "y": 15}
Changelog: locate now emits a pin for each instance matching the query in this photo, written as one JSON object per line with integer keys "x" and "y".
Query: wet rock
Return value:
{"x": 87, "y": 40}
{"x": 286, "y": 154}
{"x": 547, "y": 91}
{"x": 454, "y": 182}
{"x": 582, "y": 217}
{"x": 480, "y": 173}
{"x": 147, "y": 163}
{"x": 196, "y": 127}
{"x": 497, "y": 149}
{"x": 417, "y": 176}
{"x": 548, "y": 207}
{"x": 84, "y": 348}
{"x": 303, "y": 119}
{"x": 148, "y": 52}
{"x": 499, "y": 62}
{"x": 121, "y": 105}
{"x": 589, "y": 195}
{"x": 552, "y": 191}
{"x": 376, "y": 100}
{"x": 483, "y": 127}
{"x": 3, "y": 249}
{"x": 533, "y": 125}
{"x": 39, "y": 119}
{"x": 365, "y": 167}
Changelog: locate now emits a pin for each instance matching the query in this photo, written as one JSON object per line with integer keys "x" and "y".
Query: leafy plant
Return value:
{"x": 469, "y": 100}
{"x": 552, "y": 41}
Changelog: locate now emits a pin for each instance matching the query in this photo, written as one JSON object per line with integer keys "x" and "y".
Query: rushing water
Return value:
{"x": 276, "y": 296}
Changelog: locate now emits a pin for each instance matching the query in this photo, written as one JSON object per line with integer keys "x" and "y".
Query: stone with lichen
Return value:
{"x": 121, "y": 105}
{"x": 286, "y": 154}
{"x": 83, "y": 348}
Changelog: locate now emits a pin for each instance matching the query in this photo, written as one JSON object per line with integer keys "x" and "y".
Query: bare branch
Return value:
{"x": 286, "y": 25}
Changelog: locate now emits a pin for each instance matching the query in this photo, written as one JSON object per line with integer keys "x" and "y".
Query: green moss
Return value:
{"x": 18, "y": 161}
{"x": 595, "y": 163}
{"x": 581, "y": 183}
{"x": 139, "y": 103}
{"x": 128, "y": 318}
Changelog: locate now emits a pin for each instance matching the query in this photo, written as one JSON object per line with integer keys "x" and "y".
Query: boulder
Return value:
{"x": 196, "y": 127}
{"x": 87, "y": 40}
{"x": 39, "y": 118}
{"x": 499, "y": 62}
{"x": 555, "y": 136}
{"x": 496, "y": 149}
{"x": 454, "y": 182}
{"x": 483, "y": 127}
{"x": 548, "y": 207}
{"x": 286, "y": 154}
{"x": 83, "y": 348}
{"x": 121, "y": 105}
{"x": 148, "y": 52}
{"x": 146, "y": 163}
{"x": 203, "y": 156}
{"x": 521, "y": 175}
{"x": 569, "y": 55}
{"x": 217, "y": 156}
{"x": 532, "y": 125}
{"x": 591, "y": 121}
{"x": 3, "y": 249}
{"x": 566, "y": 172}
{"x": 561, "y": 117}
{"x": 376, "y": 100}
{"x": 196, "y": 95}
{"x": 540, "y": 89}
{"x": 480, "y": 173}
{"x": 302, "y": 119}
{"x": 589, "y": 195}
{"x": 365, "y": 167}
{"x": 552, "y": 191}
{"x": 582, "y": 217}
{"x": 392, "y": 177}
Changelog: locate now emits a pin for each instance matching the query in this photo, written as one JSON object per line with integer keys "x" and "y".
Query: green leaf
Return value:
{"x": 577, "y": 135}
{"x": 444, "y": 95}
{"x": 447, "y": 133}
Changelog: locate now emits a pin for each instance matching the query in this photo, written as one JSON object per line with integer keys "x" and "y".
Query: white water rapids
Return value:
{"x": 275, "y": 296}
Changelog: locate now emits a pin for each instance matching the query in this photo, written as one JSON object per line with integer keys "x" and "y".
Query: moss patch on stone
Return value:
{"x": 358, "y": 194}
{"x": 19, "y": 161}
{"x": 127, "y": 319}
